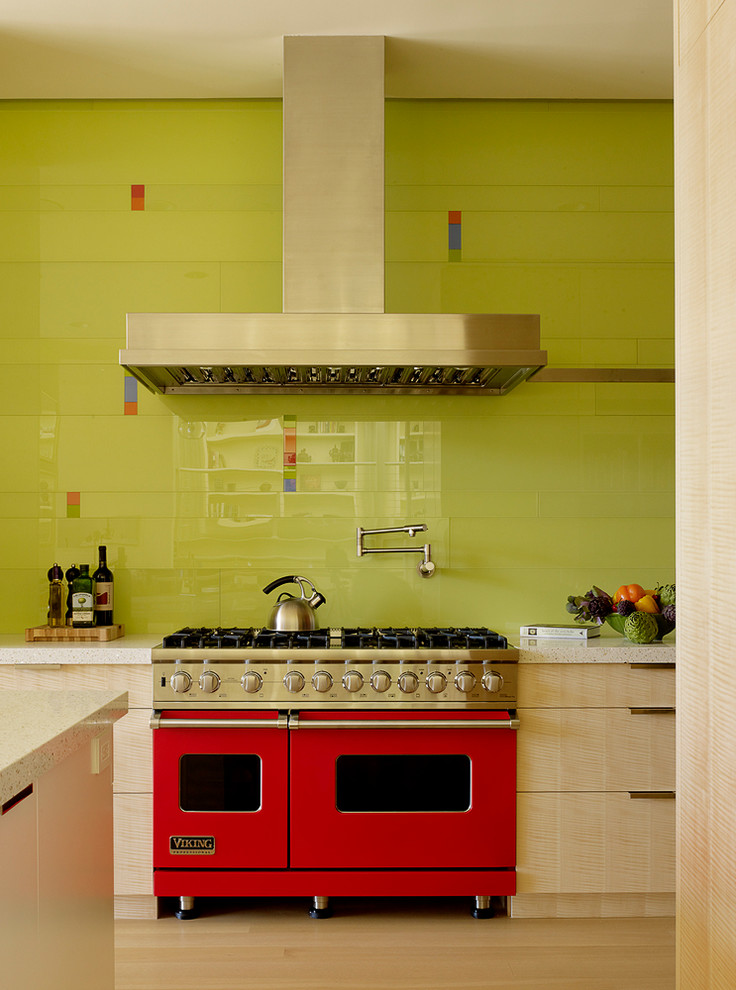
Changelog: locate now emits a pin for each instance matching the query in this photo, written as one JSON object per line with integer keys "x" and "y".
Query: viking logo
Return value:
{"x": 191, "y": 845}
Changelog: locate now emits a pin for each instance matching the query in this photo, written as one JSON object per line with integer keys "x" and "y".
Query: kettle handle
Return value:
{"x": 293, "y": 579}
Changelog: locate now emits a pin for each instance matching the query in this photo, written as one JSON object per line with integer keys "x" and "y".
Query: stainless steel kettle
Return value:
{"x": 291, "y": 614}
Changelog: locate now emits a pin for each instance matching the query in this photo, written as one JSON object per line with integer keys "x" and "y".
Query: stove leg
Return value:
{"x": 186, "y": 909}
{"x": 482, "y": 907}
{"x": 321, "y": 908}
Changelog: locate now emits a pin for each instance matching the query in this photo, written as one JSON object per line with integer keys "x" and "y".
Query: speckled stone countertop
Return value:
{"x": 39, "y": 729}
{"x": 137, "y": 649}
{"x": 127, "y": 649}
{"x": 600, "y": 649}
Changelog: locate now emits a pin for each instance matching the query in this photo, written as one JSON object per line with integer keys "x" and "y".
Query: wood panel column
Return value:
{"x": 705, "y": 213}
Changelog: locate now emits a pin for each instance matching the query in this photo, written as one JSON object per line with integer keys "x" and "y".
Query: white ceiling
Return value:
{"x": 512, "y": 49}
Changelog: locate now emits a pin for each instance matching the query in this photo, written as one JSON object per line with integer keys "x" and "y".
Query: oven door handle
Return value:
{"x": 281, "y": 722}
{"x": 419, "y": 723}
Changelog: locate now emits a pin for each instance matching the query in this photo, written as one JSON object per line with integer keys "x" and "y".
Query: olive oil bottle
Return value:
{"x": 83, "y": 599}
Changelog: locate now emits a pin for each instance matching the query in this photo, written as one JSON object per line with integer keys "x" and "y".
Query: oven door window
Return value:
{"x": 403, "y": 783}
{"x": 220, "y": 782}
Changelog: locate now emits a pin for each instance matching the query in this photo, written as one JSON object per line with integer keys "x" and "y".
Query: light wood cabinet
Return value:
{"x": 56, "y": 876}
{"x": 19, "y": 892}
{"x": 595, "y": 782}
{"x": 132, "y": 770}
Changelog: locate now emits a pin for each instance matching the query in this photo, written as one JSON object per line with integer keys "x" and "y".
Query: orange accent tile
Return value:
{"x": 137, "y": 197}
{"x": 73, "y": 498}
{"x": 130, "y": 409}
{"x": 454, "y": 216}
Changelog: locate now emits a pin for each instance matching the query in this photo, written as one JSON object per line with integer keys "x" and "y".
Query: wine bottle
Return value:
{"x": 102, "y": 578}
{"x": 71, "y": 573}
{"x": 83, "y": 599}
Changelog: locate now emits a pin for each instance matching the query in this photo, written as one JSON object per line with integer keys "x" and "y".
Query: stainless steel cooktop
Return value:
{"x": 469, "y": 667}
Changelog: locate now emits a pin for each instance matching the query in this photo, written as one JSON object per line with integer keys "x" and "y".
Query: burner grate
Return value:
{"x": 206, "y": 638}
{"x": 275, "y": 639}
{"x": 358, "y": 637}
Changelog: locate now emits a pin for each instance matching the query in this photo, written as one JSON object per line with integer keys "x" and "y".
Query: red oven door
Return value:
{"x": 219, "y": 798}
{"x": 434, "y": 790}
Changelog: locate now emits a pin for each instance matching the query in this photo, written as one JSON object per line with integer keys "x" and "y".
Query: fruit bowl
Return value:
{"x": 664, "y": 626}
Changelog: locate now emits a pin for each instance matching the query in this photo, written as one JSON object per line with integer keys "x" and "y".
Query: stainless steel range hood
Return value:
{"x": 333, "y": 335}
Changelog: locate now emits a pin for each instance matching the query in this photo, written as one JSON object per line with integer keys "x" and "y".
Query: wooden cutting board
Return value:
{"x": 68, "y": 634}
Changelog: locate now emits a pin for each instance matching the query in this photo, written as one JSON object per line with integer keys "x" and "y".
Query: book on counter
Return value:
{"x": 559, "y": 632}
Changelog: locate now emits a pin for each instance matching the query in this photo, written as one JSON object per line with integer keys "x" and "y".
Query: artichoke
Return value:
{"x": 641, "y": 627}
{"x": 594, "y": 606}
{"x": 625, "y": 607}
{"x": 666, "y": 594}
{"x": 670, "y": 613}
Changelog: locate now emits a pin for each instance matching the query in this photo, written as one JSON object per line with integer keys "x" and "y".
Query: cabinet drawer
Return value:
{"x": 136, "y": 679}
{"x": 133, "y": 770}
{"x": 133, "y": 817}
{"x": 587, "y": 843}
{"x": 596, "y": 749}
{"x": 595, "y": 685}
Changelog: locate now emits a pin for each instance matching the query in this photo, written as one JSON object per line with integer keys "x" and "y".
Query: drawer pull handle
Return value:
{"x": 499, "y": 723}
{"x": 652, "y": 666}
{"x": 156, "y": 722}
{"x": 38, "y": 666}
{"x": 17, "y": 798}
{"x": 663, "y": 795}
{"x": 651, "y": 711}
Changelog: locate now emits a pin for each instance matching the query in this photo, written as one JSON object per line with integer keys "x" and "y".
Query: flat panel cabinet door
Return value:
{"x": 402, "y": 797}
{"x": 219, "y": 795}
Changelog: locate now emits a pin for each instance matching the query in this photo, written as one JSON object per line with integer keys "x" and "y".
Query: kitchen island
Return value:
{"x": 56, "y": 843}
{"x": 119, "y": 665}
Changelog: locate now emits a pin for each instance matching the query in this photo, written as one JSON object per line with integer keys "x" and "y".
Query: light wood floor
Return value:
{"x": 392, "y": 943}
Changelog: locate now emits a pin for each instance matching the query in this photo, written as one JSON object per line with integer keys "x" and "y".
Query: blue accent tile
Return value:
{"x": 131, "y": 389}
{"x": 455, "y": 238}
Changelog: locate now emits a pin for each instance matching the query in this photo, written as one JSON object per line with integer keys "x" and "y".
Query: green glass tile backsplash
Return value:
{"x": 566, "y": 211}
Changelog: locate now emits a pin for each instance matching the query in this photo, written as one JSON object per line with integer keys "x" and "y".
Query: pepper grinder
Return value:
{"x": 56, "y": 596}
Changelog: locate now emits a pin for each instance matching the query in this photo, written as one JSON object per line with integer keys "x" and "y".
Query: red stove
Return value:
{"x": 338, "y": 762}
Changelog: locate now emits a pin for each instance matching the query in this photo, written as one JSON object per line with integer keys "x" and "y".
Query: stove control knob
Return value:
{"x": 209, "y": 681}
{"x": 252, "y": 682}
{"x": 322, "y": 681}
{"x": 180, "y": 681}
{"x": 492, "y": 682}
{"x": 465, "y": 681}
{"x": 352, "y": 681}
{"x": 294, "y": 681}
{"x": 408, "y": 682}
{"x": 436, "y": 682}
{"x": 381, "y": 681}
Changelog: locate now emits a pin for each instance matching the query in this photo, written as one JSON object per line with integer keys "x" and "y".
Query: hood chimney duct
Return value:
{"x": 333, "y": 174}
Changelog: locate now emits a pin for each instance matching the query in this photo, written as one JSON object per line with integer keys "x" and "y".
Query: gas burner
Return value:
{"x": 461, "y": 639}
{"x": 228, "y": 639}
{"x": 359, "y": 638}
{"x": 273, "y": 639}
{"x": 396, "y": 639}
{"x": 206, "y": 638}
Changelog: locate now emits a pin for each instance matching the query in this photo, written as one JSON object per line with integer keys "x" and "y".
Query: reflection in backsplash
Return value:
{"x": 235, "y": 498}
